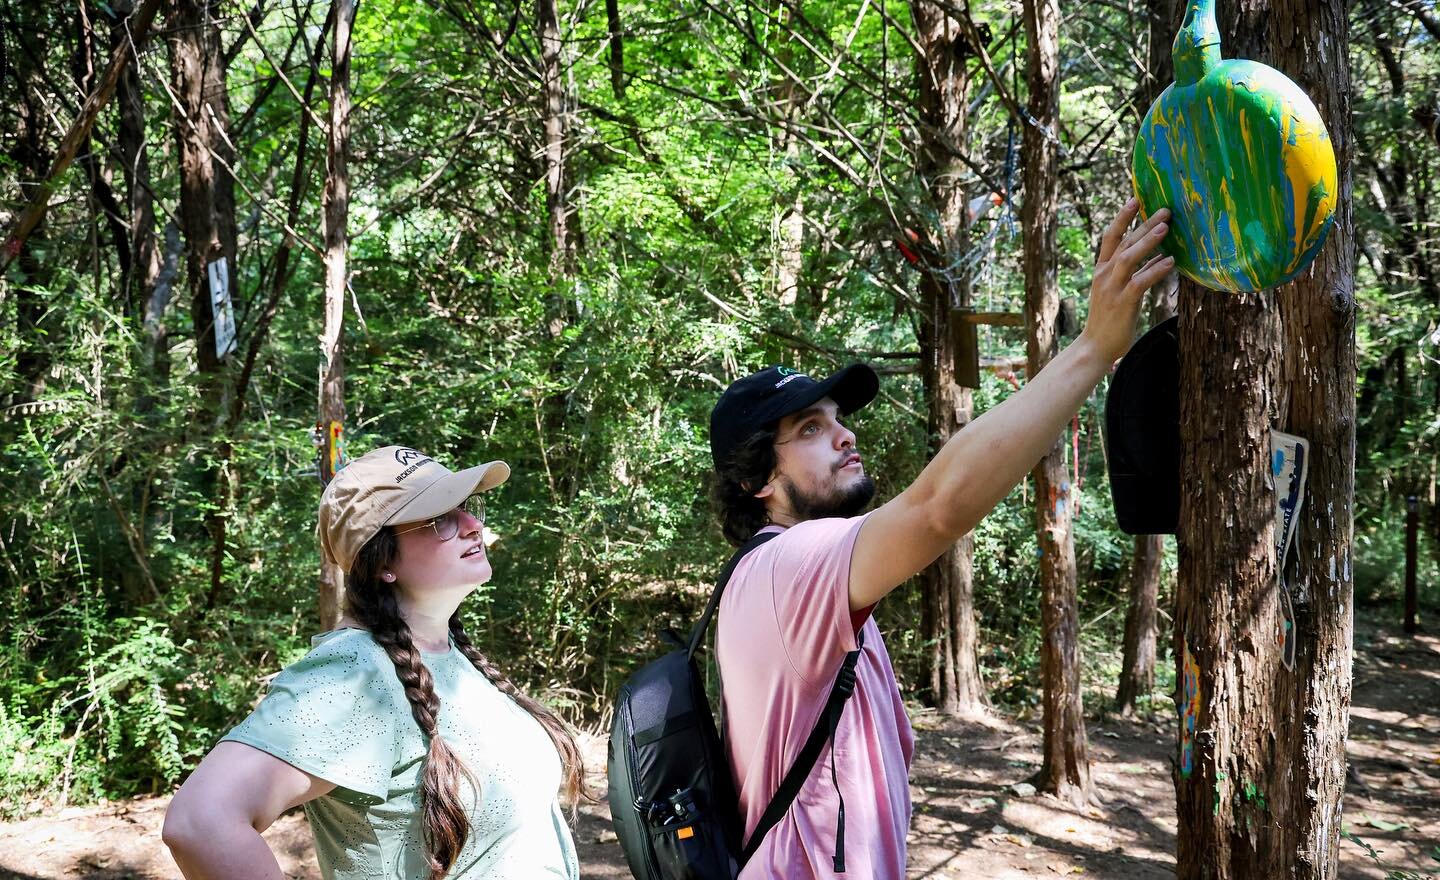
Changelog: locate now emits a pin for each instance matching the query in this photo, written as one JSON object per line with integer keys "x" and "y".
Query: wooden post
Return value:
{"x": 965, "y": 337}
{"x": 1412, "y": 525}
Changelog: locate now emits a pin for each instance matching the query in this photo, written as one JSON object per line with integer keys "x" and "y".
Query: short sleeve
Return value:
{"x": 332, "y": 714}
{"x": 812, "y": 594}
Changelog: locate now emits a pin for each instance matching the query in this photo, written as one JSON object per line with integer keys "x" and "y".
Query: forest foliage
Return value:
{"x": 122, "y": 660}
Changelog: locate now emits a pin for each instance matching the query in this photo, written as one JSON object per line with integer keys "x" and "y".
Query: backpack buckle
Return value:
{"x": 678, "y": 809}
{"x": 845, "y": 681}
{"x": 682, "y": 807}
{"x": 652, "y": 812}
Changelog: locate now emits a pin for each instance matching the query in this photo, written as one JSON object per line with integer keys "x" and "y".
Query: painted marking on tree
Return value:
{"x": 1254, "y": 795}
{"x": 1059, "y": 496}
{"x": 330, "y": 448}
{"x": 1189, "y": 713}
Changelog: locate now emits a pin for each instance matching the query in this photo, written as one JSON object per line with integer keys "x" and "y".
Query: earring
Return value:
{"x": 388, "y": 577}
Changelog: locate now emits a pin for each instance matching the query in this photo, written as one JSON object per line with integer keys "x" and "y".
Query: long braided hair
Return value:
{"x": 374, "y": 605}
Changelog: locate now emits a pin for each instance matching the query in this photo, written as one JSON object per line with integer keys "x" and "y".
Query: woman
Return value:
{"x": 413, "y": 755}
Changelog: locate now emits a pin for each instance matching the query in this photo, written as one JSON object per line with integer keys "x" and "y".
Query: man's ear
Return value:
{"x": 766, "y": 491}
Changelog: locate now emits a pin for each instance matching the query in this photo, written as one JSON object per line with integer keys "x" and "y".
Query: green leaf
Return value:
{"x": 1385, "y": 825}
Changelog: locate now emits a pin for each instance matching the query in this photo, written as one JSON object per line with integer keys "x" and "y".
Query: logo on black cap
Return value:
{"x": 789, "y": 373}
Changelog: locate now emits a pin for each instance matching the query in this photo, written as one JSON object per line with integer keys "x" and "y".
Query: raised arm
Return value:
{"x": 982, "y": 463}
{"x": 213, "y": 824}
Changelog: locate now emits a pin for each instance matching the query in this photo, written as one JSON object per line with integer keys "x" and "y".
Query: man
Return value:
{"x": 795, "y": 606}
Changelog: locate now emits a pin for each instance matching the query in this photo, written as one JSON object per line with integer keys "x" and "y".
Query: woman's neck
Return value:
{"x": 429, "y": 626}
{"x": 429, "y": 621}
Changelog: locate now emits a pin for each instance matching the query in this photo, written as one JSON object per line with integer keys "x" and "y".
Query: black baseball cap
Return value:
{"x": 759, "y": 399}
{"x": 1142, "y": 433}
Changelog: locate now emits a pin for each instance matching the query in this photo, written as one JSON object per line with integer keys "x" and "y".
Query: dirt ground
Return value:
{"x": 968, "y": 821}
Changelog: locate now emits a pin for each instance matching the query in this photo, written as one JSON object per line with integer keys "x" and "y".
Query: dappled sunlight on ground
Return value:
{"x": 970, "y": 821}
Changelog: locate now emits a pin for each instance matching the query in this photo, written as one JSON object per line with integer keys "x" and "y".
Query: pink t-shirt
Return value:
{"x": 784, "y": 629}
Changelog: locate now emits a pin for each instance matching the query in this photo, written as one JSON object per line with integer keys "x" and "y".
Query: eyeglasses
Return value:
{"x": 447, "y": 525}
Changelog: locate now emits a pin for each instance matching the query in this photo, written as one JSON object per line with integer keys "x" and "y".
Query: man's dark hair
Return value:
{"x": 737, "y": 479}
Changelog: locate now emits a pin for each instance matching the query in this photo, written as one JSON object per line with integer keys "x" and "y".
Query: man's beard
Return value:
{"x": 840, "y": 502}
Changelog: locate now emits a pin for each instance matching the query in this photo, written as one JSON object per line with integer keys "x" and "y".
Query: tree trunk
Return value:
{"x": 1065, "y": 770}
{"x": 790, "y": 235}
{"x": 336, "y": 206}
{"x": 617, "y": 49}
{"x": 947, "y": 585}
{"x": 560, "y": 457}
{"x": 135, "y": 166}
{"x": 1226, "y": 604}
{"x": 1137, "y": 665}
{"x": 280, "y": 271}
{"x": 207, "y": 218}
{"x": 207, "y": 191}
{"x": 789, "y": 228}
{"x": 563, "y": 248}
{"x": 1260, "y": 796}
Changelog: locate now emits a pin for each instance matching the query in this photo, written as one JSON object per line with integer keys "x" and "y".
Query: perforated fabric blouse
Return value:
{"x": 340, "y": 714}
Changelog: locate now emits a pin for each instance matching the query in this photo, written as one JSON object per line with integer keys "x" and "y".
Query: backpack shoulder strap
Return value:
{"x": 697, "y": 634}
{"x": 805, "y": 762}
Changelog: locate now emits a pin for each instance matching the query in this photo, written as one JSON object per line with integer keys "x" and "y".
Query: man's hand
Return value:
{"x": 979, "y": 465}
{"x": 1118, "y": 288}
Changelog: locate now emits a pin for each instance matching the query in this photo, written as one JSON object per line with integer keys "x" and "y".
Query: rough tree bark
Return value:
{"x": 560, "y": 458}
{"x": 617, "y": 49}
{"x": 1137, "y": 657}
{"x": 789, "y": 226}
{"x": 1262, "y": 798}
{"x": 135, "y": 167}
{"x": 1137, "y": 664}
{"x": 1065, "y": 770}
{"x": 556, "y": 124}
{"x": 207, "y": 191}
{"x": 947, "y": 586}
{"x": 336, "y": 210}
{"x": 207, "y": 219}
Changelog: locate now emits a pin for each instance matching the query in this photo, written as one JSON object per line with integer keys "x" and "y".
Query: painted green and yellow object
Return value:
{"x": 1240, "y": 156}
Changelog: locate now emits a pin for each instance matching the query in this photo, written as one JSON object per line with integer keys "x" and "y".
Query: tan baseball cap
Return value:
{"x": 390, "y": 486}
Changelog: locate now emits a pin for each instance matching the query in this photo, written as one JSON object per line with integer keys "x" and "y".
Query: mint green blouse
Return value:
{"x": 340, "y": 714}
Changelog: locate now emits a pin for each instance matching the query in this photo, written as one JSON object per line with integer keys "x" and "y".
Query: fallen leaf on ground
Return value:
{"x": 1385, "y": 825}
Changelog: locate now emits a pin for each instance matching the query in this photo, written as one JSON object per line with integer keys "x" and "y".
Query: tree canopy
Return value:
{"x": 743, "y": 184}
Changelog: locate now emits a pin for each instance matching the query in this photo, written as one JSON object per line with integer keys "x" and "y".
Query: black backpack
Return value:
{"x": 672, "y": 801}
